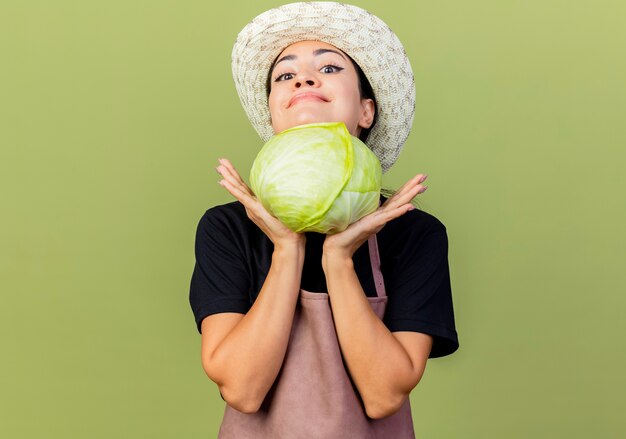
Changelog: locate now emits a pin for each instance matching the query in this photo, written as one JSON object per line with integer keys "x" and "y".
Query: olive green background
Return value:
{"x": 113, "y": 115}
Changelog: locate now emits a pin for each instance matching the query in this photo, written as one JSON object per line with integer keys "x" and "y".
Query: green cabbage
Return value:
{"x": 317, "y": 178}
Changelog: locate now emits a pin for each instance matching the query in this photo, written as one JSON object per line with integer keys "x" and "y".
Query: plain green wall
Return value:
{"x": 113, "y": 115}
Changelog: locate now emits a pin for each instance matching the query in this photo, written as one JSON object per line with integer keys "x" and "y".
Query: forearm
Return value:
{"x": 251, "y": 355}
{"x": 378, "y": 364}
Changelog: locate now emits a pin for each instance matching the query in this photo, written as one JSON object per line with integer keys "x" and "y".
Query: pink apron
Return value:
{"x": 313, "y": 395}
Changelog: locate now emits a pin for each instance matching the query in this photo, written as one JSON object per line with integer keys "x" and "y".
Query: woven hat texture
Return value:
{"x": 355, "y": 31}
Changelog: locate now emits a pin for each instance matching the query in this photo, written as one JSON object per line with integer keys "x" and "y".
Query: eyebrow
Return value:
{"x": 315, "y": 52}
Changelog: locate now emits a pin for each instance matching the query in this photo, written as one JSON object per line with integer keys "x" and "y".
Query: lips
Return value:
{"x": 309, "y": 95}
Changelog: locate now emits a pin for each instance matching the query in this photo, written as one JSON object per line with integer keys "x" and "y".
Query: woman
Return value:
{"x": 298, "y": 331}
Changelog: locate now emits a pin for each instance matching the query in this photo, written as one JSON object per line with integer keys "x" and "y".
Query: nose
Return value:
{"x": 309, "y": 82}
{"x": 304, "y": 77}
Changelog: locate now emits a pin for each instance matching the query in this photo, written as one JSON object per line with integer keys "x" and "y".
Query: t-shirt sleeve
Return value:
{"x": 220, "y": 281}
{"x": 420, "y": 296}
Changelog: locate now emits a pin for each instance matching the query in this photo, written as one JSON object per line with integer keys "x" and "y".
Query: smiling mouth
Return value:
{"x": 306, "y": 97}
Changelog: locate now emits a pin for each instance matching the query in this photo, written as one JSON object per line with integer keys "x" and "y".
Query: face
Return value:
{"x": 313, "y": 82}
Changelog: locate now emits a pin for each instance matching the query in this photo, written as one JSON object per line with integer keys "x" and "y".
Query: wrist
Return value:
{"x": 336, "y": 259}
{"x": 290, "y": 248}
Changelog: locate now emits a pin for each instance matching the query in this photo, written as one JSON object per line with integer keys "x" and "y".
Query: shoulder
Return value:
{"x": 413, "y": 237}
{"x": 223, "y": 214}
{"x": 228, "y": 225}
{"x": 418, "y": 220}
{"x": 415, "y": 240}
{"x": 230, "y": 219}
{"x": 411, "y": 228}
{"x": 416, "y": 217}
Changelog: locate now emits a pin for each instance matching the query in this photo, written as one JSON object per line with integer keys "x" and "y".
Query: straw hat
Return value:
{"x": 363, "y": 36}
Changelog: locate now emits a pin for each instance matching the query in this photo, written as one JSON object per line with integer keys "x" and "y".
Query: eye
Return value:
{"x": 284, "y": 76}
{"x": 331, "y": 68}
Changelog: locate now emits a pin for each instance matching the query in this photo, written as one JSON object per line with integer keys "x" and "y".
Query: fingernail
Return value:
{"x": 422, "y": 190}
{"x": 423, "y": 178}
{"x": 217, "y": 169}
{"x": 411, "y": 207}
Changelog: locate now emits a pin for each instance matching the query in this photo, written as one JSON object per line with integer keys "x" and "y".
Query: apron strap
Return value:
{"x": 375, "y": 261}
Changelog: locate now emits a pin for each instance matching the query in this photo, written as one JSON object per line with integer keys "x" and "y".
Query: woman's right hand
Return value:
{"x": 275, "y": 230}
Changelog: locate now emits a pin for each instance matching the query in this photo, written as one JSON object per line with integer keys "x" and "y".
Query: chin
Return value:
{"x": 310, "y": 118}
{"x": 307, "y": 118}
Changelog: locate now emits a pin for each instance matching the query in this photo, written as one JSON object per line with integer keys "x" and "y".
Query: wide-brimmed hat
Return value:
{"x": 355, "y": 31}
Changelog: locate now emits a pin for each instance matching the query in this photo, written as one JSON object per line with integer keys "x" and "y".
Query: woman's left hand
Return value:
{"x": 345, "y": 243}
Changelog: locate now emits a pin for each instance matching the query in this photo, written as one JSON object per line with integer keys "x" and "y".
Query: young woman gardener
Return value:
{"x": 310, "y": 335}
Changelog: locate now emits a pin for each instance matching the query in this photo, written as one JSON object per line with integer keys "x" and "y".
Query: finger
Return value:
{"x": 229, "y": 176}
{"x": 250, "y": 205}
{"x": 228, "y": 165}
{"x": 375, "y": 221}
{"x": 404, "y": 196}
{"x": 225, "y": 168}
{"x": 419, "y": 178}
{"x": 408, "y": 197}
{"x": 241, "y": 195}
{"x": 409, "y": 193}
{"x": 256, "y": 211}
{"x": 396, "y": 212}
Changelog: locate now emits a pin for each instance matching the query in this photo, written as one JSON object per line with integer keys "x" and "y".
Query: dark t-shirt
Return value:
{"x": 233, "y": 258}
